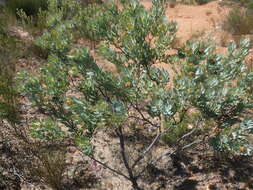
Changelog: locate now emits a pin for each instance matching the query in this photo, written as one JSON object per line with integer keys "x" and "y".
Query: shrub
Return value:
{"x": 195, "y": 2}
{"x": 8, "y": 94}
{"x": 239, "y": 21}
{"x": 246, "y": 3}
{"x": 8, "y": 107}
{"x": 202, "y": 2}
{"x": 135, "y": 40}
{"x": 87, "y": 2}
{"x": 250, "y": 5}
{"x": 30, "y": 7}
{"x": 51, "y": 168}
{"x": 171, "y": 138}
{"x": 172, "y": 4}
{"x": 217, "y": 87}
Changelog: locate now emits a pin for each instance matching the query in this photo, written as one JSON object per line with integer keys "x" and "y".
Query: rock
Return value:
{"x": 242, "y": 185}
{"x": 231, "y": 173}
{"x": 20, "y": 33}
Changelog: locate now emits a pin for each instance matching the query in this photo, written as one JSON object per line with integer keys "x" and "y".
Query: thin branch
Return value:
{"x": 141, "y": 119}
{"x": 123, "y": 152}
{"x": 106, "y": 98}
{"x": 132, "y": 178}
{"x": 176, "y": 150}
{"x": 147, "y": 150}
{"x": 108, "y": 167}
{"x": 124, "y": 52}
{"x": 167, "y": 154}
{"x": 186, "y": 135}
{"x": 142, "y": 116}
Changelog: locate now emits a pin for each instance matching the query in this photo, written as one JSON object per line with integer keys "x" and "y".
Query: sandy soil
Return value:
{"x": 195, "y": 19}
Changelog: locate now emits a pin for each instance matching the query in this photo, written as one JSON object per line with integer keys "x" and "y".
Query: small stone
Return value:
{"x": 231, "y": 173}
{"x": 242, "y": 185}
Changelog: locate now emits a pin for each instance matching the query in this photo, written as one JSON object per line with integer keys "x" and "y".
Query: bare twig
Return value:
{"x": 147, "y": 149}
{"x": 142, "y": 116}
{"x": 132, "y": 178}
{"x": 20, "y": 176}
{"x": 176, "y": 150}
{"x": 186, "y": 135}
{"x": 167, "y": 154}
{"x": 108, "y": 167}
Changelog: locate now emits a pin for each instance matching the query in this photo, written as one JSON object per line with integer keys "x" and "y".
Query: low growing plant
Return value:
{"x": 202, "y": 2}
{"x": 239, "y": 21}
{"x": 8, "y": 94}
{"x": 51, "y": 168}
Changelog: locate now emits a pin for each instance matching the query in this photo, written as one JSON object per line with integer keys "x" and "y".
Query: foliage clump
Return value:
{"x": 219, "y": 88}
{"x": 30, "y": 7}
{"x": 78, "y": 97}
{"x": 239, "y": 21}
